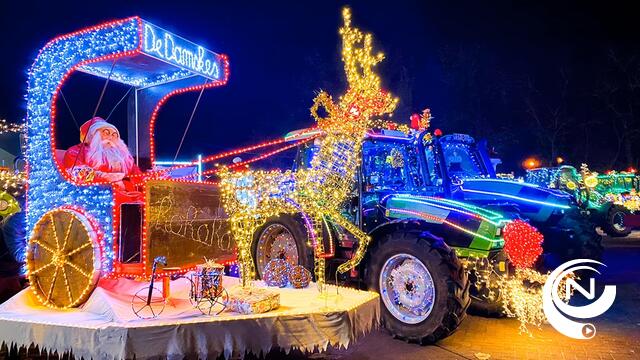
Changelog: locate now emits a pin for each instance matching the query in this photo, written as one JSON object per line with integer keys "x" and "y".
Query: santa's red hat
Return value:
{"x": 90, "y": 127}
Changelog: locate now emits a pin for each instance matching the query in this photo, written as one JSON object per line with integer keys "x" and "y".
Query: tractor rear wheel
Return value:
{"x": 282, "y": 237}
{"x": 63, "y": 258}
{"x": 423, "y": 286}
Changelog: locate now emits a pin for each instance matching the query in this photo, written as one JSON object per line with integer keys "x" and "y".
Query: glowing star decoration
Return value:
{"x": 276, "y": 273}
{"x": 522, "y": 243}
{"x": 251, "y": 197}
{"x": 299, "y": 277}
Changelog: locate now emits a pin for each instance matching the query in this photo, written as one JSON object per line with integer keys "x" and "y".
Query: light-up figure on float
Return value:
{"x": 102, "y": 156}
{"x": 251, "y": 197}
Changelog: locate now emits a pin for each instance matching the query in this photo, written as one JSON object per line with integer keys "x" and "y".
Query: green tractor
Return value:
{"x": 612, "y": 200}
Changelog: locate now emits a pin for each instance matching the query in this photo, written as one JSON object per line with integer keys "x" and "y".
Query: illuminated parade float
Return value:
{"x": 612, "y": 199}
{"x": 369, "y": 203}
{"x": 357, "y": 229}
{"x": 98, "y": 248}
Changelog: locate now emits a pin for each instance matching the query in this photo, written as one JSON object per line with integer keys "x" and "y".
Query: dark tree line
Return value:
{"x": 583, "y": 112}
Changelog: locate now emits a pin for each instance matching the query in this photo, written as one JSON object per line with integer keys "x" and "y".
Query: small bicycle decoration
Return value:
{"x": 149, "y": 302}
{"x": 207, "y": 293}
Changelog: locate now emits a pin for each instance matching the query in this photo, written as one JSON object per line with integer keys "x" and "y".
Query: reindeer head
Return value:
{"x": 364, "y": 99}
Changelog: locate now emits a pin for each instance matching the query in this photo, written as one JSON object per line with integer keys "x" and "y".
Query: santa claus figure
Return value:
{"x": 101, "y": 156}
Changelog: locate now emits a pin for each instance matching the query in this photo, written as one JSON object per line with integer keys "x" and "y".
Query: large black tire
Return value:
{"x": 299, "y": 233}
{"x": 613, "y": 224}
{"x": 491, "y": 309}
{"x": 450, "y": 282}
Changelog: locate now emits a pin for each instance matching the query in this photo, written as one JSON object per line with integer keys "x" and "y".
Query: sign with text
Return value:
{"x": 186, "y": 222}
{"x": 173, "y": 49}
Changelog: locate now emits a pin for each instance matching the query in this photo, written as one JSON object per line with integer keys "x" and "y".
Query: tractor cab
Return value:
{"x": 459, "y": 157}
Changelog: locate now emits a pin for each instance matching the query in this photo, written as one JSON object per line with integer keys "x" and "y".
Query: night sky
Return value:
{"x": 535, "y": 78}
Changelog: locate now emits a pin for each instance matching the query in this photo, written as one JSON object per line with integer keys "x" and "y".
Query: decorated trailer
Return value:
{"x": 79, "y": 231}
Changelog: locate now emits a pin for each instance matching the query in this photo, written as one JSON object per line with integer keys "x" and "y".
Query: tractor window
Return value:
{"x": 461, "y": 160}
{"x": 435, "y": 178}
{"x": 390, "y": 166}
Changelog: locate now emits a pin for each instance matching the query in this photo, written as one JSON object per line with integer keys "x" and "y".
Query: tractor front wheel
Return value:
{"x": 63, "y": 258}
{"x": 423, "y": 286}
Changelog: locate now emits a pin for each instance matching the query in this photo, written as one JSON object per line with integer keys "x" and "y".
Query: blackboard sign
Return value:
{"x": 186, "y": 222}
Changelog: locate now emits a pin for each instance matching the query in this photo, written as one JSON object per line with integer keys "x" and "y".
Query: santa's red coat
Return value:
{"x": 76, "y": 157}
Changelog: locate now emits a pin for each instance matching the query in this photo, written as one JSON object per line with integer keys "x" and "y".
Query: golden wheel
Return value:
{"x": 63, "y": 260}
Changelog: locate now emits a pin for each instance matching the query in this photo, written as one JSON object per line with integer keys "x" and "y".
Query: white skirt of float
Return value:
{"x": 105, "y": 324}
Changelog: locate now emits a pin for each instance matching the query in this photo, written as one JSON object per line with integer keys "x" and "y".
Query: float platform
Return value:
{"x": 105, "y": 327}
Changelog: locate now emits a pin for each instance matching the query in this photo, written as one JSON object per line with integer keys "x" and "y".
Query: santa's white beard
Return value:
{"x": 115, "y": 157}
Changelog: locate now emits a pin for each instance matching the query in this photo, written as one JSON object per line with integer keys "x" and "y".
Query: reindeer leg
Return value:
{"x": 363, "y": 241}
{"x": 319, "y": 261}
{"x": 243, "y": 229}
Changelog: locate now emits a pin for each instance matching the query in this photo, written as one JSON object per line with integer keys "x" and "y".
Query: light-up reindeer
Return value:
{"x": 252, "y": 197}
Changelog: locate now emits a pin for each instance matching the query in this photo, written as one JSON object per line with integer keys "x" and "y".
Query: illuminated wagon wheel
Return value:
{"x": 63, "y": 259}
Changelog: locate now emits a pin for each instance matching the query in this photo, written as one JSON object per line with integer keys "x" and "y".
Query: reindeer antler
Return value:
{"x": 364, "y": 96}
{"x": 358, "y": 58}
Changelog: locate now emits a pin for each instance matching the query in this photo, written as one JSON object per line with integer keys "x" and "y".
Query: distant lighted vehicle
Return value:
{"x": 80, "y": 232}
{"x": 612, "y": 200}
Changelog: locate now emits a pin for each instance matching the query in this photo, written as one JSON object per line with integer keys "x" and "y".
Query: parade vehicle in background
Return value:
{"x": 79, "y": 232}
{"x": 612, "y": 200}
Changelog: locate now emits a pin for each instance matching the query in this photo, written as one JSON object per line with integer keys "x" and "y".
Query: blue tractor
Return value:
{"x": 429, "y": 254}
{"x": 461, "y": 169}
{"x": 455, "y": 167}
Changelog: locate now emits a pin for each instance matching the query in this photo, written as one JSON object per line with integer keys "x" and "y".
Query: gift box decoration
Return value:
{"x": 252, "y": 300}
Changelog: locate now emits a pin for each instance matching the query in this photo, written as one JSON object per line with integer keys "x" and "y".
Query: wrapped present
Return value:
{"x": 206, "y": 282}
{"x": 252, "y": 300}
